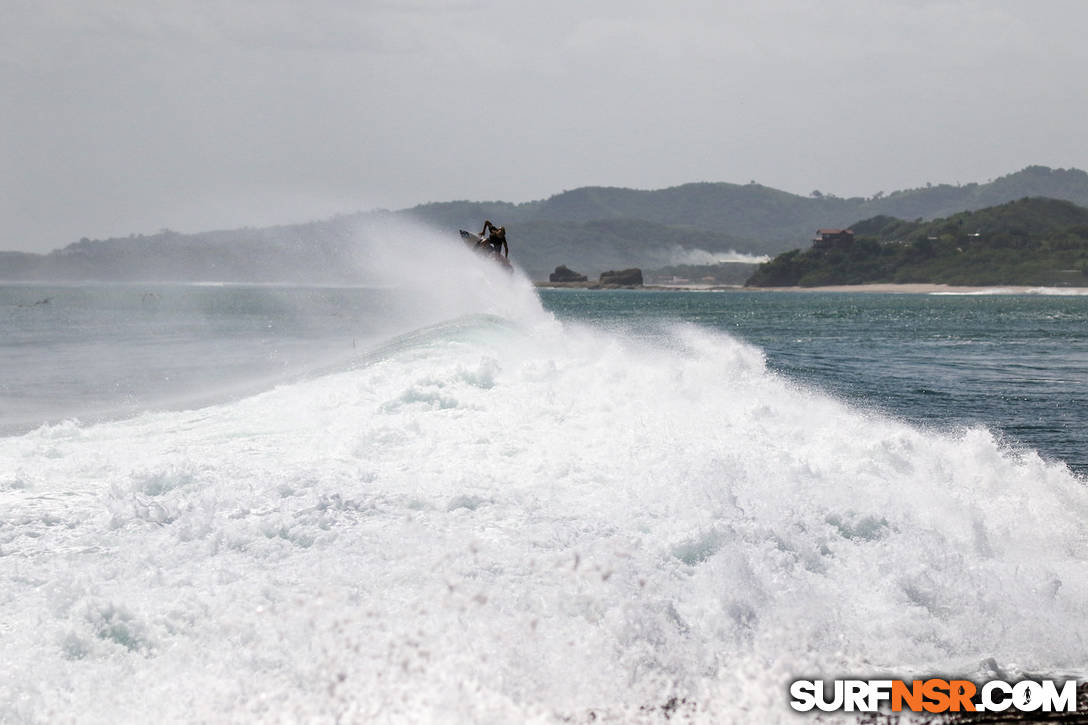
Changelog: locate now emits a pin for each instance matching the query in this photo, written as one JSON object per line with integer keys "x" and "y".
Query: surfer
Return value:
{"x": 495, "y": 239}
{"x": 490, "y": 242}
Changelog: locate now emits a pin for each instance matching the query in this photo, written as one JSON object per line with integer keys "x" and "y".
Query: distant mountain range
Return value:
{"x": 589, "y": 229}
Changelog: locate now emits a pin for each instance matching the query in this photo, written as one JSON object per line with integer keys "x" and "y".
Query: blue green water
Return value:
{"x": 1017, "y": 364}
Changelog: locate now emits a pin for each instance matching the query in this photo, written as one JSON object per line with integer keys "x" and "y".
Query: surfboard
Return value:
{"x": 473, "y": 240}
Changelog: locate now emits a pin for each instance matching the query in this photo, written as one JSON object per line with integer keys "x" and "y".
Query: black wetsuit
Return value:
{"x": 496, "y": 241}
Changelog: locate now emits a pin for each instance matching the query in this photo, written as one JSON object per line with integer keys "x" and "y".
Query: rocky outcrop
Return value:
{"x": 563, "y": 274}
{"x": 631, "y": 276}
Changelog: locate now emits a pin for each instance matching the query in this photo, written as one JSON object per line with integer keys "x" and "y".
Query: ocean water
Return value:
{"x": 450, "y": 498}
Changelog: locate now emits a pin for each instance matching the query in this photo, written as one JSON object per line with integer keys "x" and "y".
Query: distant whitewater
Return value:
{"x": 484, "y": 514}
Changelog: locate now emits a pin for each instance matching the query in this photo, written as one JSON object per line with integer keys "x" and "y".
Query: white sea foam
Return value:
{"x": 1046, "y": 291}
{"x": 503, "y": 518}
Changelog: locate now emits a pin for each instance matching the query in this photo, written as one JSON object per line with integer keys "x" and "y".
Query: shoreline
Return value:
{"x": 874, "y": 288}
{"x": 925, "y": 288}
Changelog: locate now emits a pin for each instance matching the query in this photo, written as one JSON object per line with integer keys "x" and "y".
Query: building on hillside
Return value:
{"x": 833, "y": 238}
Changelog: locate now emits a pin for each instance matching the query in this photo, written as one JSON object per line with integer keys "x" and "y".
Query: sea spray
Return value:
{"x": 438, "y": 277}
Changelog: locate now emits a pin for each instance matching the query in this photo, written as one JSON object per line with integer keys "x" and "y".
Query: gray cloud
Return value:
{"x": 124, "y": 115}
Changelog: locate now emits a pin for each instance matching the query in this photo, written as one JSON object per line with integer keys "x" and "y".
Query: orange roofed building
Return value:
{"x": 833, "y": 238}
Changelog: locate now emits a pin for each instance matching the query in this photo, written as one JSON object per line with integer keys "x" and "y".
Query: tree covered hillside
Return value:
{"x": 1026, "y": 242}
{"x": 763, "y": 217}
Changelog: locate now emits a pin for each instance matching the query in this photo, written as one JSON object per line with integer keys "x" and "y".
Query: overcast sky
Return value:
{"x": 123, "y": 116}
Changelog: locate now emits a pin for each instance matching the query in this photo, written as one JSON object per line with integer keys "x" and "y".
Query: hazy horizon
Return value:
{"x": 121, "y": 118}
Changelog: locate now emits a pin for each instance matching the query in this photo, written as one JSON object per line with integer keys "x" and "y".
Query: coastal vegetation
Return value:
{"x": 1032, "y": 241}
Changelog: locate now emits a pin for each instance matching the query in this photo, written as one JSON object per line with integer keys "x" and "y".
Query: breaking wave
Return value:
{"x": 500, "y": 517}
{"x": 681, "y": 255}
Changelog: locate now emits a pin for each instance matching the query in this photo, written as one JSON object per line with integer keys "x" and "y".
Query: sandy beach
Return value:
{"x": 934, "y": 289}
{"x": 879, "y": 288}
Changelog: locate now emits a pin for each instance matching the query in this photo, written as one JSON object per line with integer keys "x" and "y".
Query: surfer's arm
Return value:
{"x": 505, "y": 249}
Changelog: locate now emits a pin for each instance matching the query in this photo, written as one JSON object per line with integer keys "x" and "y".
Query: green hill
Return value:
{"x": 1032, "y": 241}
{"x": 717, "y": 217}
{"x": 757, "y": 213}
{"x": 590, "y": 229}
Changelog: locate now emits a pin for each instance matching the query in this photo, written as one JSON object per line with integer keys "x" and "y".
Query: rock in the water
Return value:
{"x": 563, "y": 274}
{"x": 631, "y": 276}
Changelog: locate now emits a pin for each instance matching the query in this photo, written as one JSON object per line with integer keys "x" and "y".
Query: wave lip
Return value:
{"x": 104, "y": 351}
